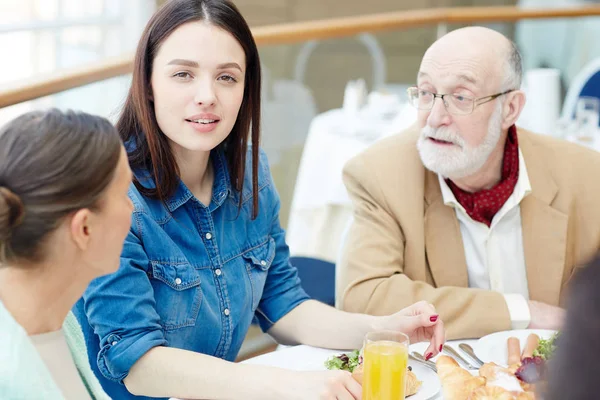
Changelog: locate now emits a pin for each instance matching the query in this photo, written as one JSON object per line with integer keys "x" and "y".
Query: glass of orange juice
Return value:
{"x": 385, "y": 362}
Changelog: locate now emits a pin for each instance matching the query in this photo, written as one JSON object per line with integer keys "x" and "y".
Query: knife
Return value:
{"x": 469, "y": 350}
{"x": 454, "y": 354}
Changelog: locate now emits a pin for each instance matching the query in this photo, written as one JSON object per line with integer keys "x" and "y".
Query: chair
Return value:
{"x": 586, "y": 83}
{"x": 318, "y": 278}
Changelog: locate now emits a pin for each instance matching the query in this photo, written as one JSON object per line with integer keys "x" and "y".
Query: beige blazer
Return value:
{"x": 405, "y": 245}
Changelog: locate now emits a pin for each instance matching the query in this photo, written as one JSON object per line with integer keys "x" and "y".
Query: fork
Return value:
{"x": 417, "y": 357}
{"x": 470, "y": 352}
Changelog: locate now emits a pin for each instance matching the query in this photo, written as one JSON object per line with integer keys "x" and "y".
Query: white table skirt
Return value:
{"x": 320, "y": 207}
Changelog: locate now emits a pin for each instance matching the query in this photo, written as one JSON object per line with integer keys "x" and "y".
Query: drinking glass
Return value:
{"x": 587, "y": 115}
{"x": 385, "y": 364}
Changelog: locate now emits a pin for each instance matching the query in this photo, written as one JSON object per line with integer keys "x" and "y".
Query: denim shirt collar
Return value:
{"x": 221, "y": 184}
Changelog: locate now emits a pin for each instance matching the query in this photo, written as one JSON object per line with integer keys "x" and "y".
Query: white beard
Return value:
{"x": 460, "y": 160}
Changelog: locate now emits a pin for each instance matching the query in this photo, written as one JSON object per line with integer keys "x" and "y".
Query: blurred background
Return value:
{"x": 335, "y": 76}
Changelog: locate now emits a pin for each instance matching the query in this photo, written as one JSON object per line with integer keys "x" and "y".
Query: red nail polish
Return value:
{"x": 433, "y": 318}
{"x": 441, "y": 347}
{"x": 428, "y": 356}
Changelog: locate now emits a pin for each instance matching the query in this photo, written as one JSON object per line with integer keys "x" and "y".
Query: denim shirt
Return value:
{"x": 191, "y": 276}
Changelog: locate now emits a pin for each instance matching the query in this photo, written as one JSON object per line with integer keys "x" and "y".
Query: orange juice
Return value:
{"x": 385, "y": 366}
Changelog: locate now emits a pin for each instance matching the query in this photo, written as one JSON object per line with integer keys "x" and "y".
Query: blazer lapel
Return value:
{"x": 544, "y": 228}
{"x": 444, "y": 247}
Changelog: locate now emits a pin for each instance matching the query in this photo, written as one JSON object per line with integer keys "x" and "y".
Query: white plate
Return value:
{"x": 493, "y": 347}
{"x": 431, "y": 383}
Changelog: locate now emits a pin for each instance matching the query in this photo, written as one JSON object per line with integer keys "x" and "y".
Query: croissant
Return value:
{"x": 498, "y": 393}
{"x": 412, "y": 383}
{"x": 491, "y": 393}
{"x": 526, "y": 396}
{"x": 505, "y": 378}
{"x": 457, "y": 383}
{"x": 491, "y": 370}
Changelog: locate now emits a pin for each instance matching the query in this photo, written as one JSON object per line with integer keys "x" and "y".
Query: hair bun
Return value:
{"x": 11, "y": 212}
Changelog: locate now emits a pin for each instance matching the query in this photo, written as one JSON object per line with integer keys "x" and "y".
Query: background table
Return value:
{"x": 321, "y": 208}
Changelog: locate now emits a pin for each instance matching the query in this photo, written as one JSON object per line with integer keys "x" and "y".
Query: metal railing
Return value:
{"x": 298, "y": 32}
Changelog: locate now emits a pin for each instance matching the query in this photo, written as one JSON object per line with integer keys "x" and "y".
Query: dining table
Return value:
{"x": 470, "y": 354}
{"x": 308, "y": 358}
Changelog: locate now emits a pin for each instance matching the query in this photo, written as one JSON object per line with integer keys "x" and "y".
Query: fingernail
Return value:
{"x": 441, "y": 347}
{"x": 433, "y": 318}
{"x": 428, "y": 356}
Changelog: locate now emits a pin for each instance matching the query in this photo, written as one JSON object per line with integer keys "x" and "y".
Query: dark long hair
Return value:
{"x": 137, "y": 122}
{"x": 51, "y": 164}
{"x": 574, "y": 369}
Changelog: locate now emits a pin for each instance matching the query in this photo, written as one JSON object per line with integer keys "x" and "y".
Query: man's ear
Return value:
{"x": 513, "y": 106}
{"x": 80, "y": 228}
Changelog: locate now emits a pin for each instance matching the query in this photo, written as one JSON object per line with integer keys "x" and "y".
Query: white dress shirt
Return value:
{"x": 494, "y": 255}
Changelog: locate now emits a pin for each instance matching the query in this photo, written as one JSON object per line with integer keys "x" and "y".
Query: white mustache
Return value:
{"x": 443, "y": 134}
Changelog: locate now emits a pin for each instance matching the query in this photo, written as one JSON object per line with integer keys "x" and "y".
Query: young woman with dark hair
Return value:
{"x": 206, "y": 253}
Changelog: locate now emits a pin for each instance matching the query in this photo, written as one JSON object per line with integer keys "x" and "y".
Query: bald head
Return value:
{"x": 479, "y": 55}
{"x": 477, "y": 73}
{"x": 476, "y": 37}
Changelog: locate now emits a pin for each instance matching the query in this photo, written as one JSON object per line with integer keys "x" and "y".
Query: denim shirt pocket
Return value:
{"x": 177, "y": 292}
{"x": 258, "y": 260}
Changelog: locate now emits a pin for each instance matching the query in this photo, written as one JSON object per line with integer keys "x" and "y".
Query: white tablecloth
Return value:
{"x": 321, "y": 207}
{"x": 307, "y": 358}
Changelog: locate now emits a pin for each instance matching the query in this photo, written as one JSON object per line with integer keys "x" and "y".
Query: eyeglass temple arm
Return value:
{"x": 492, "y": 97}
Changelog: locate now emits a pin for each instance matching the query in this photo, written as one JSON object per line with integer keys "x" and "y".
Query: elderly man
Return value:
{"x": 486, "y": 221}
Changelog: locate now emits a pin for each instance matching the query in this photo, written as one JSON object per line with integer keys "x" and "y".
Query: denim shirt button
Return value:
{"x": 263, "y": 262}
{"x": 218, "y": 272}
{"x": 226, "y": 311}
{"x": 114, "y": 343}
{"x": 178, "y": 281}
{"x": 208, "y": 236}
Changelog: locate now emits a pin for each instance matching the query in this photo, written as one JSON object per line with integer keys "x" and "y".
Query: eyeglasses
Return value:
{"x": 455, "y": 103}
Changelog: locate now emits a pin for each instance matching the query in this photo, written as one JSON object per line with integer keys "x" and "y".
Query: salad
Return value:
{"x": 344, "y": 361}
{"x": 546, "y": 347}
{"x": 533, "y": 368}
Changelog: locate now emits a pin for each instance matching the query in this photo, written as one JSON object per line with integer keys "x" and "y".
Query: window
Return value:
{"x": 39, "y": 37}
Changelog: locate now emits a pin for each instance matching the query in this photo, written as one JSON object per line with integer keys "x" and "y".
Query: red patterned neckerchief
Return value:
{"x": 483, "y": 205}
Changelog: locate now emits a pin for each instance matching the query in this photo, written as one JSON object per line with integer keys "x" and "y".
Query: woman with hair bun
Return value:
{"x": 64, "y": 214}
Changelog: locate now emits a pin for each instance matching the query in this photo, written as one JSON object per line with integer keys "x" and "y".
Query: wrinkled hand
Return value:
{"x": 324, "y": 385}
{"x": 545, "y": 316}
{"x": 420, "y": 323}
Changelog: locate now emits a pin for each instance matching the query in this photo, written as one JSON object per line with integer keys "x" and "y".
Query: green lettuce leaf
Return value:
{"x": 546, "y": 347}
{"x": 344, "y": 361}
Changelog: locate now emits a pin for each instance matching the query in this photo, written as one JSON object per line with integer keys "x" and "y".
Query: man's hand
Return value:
{"x": 544, "y": 316}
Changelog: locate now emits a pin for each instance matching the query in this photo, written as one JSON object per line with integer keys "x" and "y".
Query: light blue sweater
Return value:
{"x": 23, "y": 374}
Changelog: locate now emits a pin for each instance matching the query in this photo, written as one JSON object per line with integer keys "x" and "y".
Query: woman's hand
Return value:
{"x": 420, "y": 322}
{"x": 321, "y": 385}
